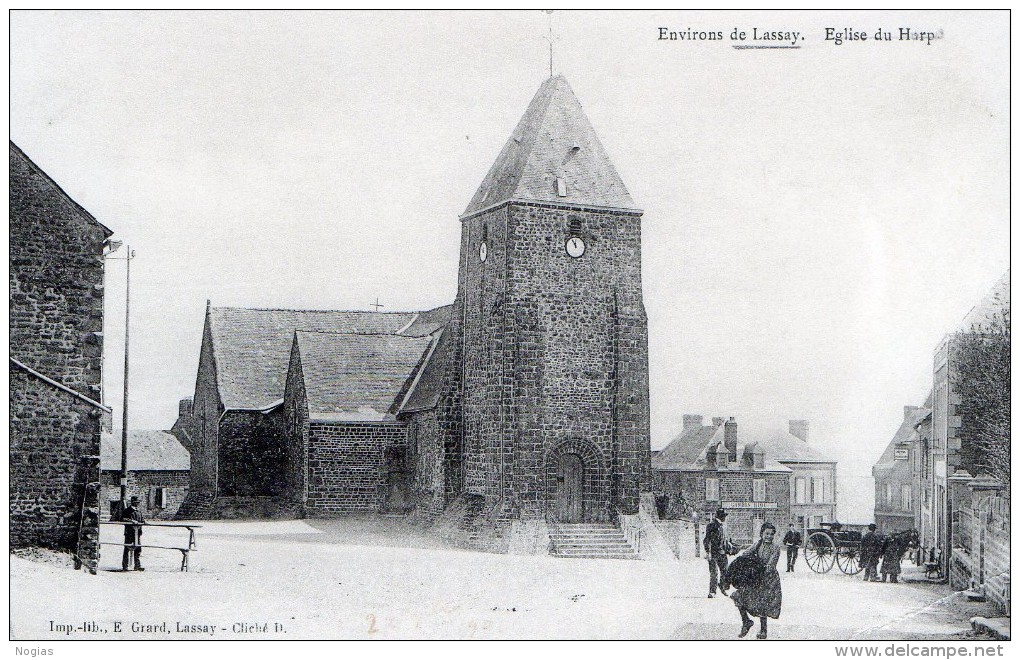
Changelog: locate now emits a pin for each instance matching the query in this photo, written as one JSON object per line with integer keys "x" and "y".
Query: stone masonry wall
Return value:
{"x": 142, "y": 483}
{"x": 205, "y": 426}
{"x": 556, "y": 356}
{"x": 56, "y": 282}
{"x": 252, "y": 454}
{"x": 426, "y": 458}
{"x": 347, "y": 466}
{"x": 736, "y": 486}
{"x": 55, "y": 328}
{"x": 54, "y": 448}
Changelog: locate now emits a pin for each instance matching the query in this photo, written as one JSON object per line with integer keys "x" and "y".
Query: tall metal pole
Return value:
{"x": 124, "y": 421}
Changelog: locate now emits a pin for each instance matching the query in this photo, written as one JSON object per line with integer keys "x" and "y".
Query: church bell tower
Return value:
{"x": 551, "y": 326}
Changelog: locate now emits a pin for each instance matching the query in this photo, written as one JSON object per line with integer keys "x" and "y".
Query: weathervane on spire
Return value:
{"x": 550, "y": 40}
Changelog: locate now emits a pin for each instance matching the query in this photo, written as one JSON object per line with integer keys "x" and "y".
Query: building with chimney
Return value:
{"x": 56, "y": 346}
{"x": 524, "y": 400}
{"x": 896, "y": 491}
{"x": 708, "y": 466}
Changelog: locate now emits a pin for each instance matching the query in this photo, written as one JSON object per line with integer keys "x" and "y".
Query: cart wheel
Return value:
{"x": 819, "y": 552}
{"x": 849, "y": 561}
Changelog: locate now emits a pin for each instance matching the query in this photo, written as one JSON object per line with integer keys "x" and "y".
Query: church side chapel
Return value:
{"x": 521, "y": 406}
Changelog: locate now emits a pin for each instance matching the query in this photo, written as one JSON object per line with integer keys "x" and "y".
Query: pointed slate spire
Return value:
{"x": 554, "y": 156}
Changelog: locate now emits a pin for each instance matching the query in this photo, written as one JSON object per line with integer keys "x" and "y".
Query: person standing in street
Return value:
{"x": 792, "y": 541}
{"x": 132, "y": 535}
{"x": 716, "y": 545}
{"x": 871, "y": 550}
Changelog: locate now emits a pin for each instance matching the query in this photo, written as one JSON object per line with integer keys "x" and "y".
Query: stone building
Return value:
{"x": 56, "y": 342}
{"x": 530, "y": 400}
{"x": 955, "y": 461}
{"x": 348, "y": 451}
{"x": 813, "y": 484}
{"x": 896, "y": 493}
{"x": 708, "y": 466}
{"x": 158, "y": 468}
{"x": 235, "y": 425}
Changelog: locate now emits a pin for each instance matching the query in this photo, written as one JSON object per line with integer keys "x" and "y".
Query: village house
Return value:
{"x": 157, "y": 472}
{"x": 896, "y": 490}
{"x": 683, "y": 474}
{"x": 708, "y": 466}
{"x": 524, "y": 401}
{"x": 56, "y": 345}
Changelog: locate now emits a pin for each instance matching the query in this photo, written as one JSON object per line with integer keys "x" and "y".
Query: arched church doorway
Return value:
{"x": 569, "y": 489}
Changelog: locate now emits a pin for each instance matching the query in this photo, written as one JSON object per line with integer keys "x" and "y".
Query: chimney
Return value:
{"x": 908, "y": 411}
{"x": 799, "y": 428}
{"x": 718, "y": 421}
{"x": 185, "y": 407}
{"x": 692, "y": 421}
{"x": 730, "y": 438}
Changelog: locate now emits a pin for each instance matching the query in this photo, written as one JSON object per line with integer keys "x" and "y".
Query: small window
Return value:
{"x": 758, "y": 494}
{"x": 712, "y": 490}
{"x": 159, "y": 498}
{"x": 817, "y": 490}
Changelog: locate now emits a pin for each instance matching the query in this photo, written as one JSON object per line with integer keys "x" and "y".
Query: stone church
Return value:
{"x": 524, "y": 400}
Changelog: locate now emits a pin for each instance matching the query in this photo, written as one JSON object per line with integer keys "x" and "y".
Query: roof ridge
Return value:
{"x": 360, "y": 334}
{"x": 322, "y": 311}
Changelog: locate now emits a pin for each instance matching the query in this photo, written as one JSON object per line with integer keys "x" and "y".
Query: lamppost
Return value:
{"x": 129, "y": 255}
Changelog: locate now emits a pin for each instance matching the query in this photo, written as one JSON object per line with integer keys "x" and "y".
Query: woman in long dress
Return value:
{"x": 763, "y": 597}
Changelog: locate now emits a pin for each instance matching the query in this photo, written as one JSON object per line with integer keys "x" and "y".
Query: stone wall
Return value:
{"x": 426, "y": 457}
{"x": 980, "y": 555}
{"x": 555, "y": 353}
{"x": 56, "y": 282}
{"x": 347, "y": 466}
{"x": 734, "y": 486}
{"x": 55, "y": 329}
{"x": 142, "y": 483}
{"x": 204, "y": 429}
{"x": 54, "y": 481}
{"x": 252, "y": 454}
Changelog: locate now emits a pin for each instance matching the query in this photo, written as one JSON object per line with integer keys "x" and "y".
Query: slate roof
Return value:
{"x": 784, "y": 446}
{"x": 357, "y": 377}
{"x": 147, "y": 450}
{"x": 902, "y": 437}
{"x": 251, "y": 347}
{"x": 687, "y": 451}
{"x": 553, "y": 139}
{"x": 995, "y": 301}
{"x": 428, "y": 386}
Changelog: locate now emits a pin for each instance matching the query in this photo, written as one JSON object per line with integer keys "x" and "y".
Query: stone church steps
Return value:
{"x": 590, "y": 541}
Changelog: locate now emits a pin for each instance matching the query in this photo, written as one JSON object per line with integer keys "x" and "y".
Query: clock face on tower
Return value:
{"x": 483, "y": 252}
{"x": 575, "y": 246}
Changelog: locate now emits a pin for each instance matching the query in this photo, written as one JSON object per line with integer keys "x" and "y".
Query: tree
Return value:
{"x": 981, "y": 379}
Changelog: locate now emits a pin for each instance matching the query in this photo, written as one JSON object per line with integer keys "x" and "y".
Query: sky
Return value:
{"x": 815, "y": 219}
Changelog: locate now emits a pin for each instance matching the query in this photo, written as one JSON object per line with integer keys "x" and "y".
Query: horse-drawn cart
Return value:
{"x": 831, "y": 544}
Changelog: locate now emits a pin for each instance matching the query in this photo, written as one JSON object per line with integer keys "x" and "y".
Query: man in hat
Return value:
{"x": 792, "y": 541}
{"x": 715, "y": 551}
{"x": 871, "y": 550}
{"x": 132, "y": 534}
